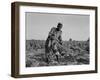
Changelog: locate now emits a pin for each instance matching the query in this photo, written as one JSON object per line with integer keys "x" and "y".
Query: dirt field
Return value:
{"x": 77, "y": 54}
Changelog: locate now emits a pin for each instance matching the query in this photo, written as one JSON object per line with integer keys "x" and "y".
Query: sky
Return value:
{"x": 38, "y": 25}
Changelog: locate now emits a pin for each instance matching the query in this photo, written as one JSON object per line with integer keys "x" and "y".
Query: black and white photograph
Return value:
{"x": 52, "y": 39}
{"x": 57, "y": 39}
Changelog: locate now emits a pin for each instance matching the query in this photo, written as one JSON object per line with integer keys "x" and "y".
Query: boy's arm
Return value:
{"x": 60, "y": 38}
{"x": 51, "y": 33}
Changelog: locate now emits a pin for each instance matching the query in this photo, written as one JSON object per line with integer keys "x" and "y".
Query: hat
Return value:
{"x": 59, "y": 24}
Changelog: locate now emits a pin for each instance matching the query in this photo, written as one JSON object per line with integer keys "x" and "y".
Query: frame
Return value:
{"x": 23, "y": 34}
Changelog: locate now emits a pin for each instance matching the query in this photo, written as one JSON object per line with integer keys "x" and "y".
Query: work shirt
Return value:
{"x": 54, "y": 38}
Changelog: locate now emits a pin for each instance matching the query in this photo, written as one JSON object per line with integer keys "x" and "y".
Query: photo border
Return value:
{"x": 15, "y": 32}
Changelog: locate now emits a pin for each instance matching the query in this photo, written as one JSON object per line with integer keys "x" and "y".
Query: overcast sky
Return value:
{"x": 39, "y": 24}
